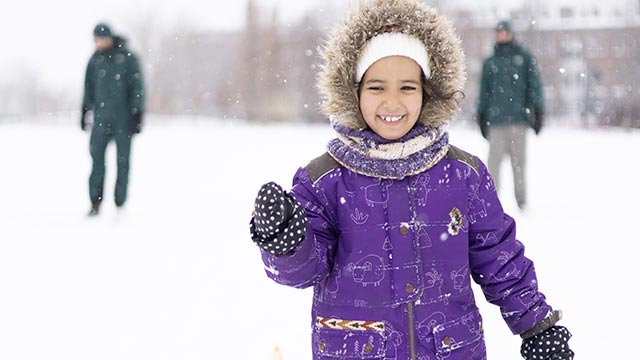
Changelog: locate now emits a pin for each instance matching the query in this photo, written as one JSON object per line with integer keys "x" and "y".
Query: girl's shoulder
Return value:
{"x": 320, "y": 166}
{"x": 325, "y": 163}
{"x": 457, "y": 154}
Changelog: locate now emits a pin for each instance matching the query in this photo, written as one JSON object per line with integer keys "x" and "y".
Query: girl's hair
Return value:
{"x": 430, "y": 91}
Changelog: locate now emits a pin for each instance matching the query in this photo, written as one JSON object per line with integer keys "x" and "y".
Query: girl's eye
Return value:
{"x": 374, "y": 88}
{"x": 408, "y": 88}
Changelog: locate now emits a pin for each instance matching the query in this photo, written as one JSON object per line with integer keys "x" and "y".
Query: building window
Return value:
{"x": 595, "y": 48}
{"x": 619, "y": 50}
{"x": 548, "y": 48}
{"x": 567, "y": 12}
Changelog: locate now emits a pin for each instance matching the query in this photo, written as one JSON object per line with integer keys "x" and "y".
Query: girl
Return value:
{"x": 392, "y": 222}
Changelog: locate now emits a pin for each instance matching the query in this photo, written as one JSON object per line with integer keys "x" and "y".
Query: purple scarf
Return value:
{"x": 365, "y": 152}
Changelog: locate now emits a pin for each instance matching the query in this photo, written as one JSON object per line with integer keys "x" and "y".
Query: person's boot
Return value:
{"x": 95, "y": 208}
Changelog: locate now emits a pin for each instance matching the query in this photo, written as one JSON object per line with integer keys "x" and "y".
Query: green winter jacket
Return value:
{"x": 510, "y": 89}
{"x": 113, "y": 87}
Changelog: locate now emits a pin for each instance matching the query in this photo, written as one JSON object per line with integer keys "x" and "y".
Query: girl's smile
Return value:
{"x": 390, "y": 118}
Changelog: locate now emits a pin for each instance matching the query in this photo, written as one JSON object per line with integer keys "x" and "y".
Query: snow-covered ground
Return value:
{"x": 175, "y": 275}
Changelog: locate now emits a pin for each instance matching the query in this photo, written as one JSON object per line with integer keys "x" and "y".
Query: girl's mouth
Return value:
{"x": 390, "y": 119}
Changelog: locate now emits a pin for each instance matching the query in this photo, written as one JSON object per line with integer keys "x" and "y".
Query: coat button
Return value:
{"x": 368, "y": 348}
{"x": 321, "y": 345}
{"x": 404, "y": 229}
{"x": 409, "y": 288}
{"x": 446, "y": 341}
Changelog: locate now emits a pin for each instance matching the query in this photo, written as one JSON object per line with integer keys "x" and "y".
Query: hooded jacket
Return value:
{"x": 113, "y": 86}
{"x": 391, "y": 255}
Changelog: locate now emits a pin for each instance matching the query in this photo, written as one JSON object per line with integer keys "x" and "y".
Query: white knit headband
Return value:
{"x": 390, "y": 44}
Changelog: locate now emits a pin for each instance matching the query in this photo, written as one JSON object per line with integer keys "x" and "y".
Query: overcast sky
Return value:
{"x": 54, "y": 38}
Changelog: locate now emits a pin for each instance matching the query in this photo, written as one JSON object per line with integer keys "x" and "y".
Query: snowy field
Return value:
{"x": 175, "y": 275}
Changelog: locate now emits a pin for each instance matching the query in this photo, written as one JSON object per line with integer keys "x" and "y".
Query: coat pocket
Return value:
{"x": 348, "y": 344}
{"x": 461, "y": 338}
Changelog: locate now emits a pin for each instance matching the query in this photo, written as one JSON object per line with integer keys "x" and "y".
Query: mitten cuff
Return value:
{"x": 543, "y": 325}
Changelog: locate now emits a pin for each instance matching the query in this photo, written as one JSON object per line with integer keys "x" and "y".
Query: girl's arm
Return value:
{"x": 311, "y": 260}
{"x": 498, "y": 263}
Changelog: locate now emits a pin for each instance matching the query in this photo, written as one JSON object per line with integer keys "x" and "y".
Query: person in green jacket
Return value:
{"x": 114, "y": 93}
{"x": 510, "y": 101}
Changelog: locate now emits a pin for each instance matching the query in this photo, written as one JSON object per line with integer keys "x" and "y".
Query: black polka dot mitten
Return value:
{"x": 279, "y": 222}
{"x": 551, "y": 344}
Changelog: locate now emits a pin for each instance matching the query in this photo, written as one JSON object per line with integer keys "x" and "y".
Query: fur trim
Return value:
{"x": 337, "y": 76}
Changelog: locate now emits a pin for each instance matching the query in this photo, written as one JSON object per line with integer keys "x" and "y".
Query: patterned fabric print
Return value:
{"x": 357, "y": 325}
{"x": 379, "y": 249}
{"x": 364, "y": 152}
{"x": 270, "y": 211}
{"x": 552, "y": 344}
{"x": 279, "y": 222}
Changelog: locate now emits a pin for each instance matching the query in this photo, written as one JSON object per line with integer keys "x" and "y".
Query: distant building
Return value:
{"x": 588, "y": 53}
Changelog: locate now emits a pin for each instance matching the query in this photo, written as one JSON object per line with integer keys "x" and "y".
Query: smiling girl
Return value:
{"x": 392, "y": 222}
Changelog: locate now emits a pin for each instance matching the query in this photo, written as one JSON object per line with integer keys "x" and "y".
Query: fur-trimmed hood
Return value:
{"x": 336, "y": 79}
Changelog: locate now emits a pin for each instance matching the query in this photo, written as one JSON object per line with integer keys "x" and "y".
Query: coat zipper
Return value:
{"x": 412, "y": 335}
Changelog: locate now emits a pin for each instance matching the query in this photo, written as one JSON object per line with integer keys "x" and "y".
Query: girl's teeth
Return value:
{"x": 391, "y": 118}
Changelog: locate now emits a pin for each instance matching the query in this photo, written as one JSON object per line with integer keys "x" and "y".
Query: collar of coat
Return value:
{"x": 507, "y": 48}
{"x": 364, "y": 152}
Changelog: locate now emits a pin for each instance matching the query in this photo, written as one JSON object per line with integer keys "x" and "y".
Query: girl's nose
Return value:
{"x": 391, "y": 101}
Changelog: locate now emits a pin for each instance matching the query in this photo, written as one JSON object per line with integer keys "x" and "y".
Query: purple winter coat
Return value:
{"x": 391, "y": 261}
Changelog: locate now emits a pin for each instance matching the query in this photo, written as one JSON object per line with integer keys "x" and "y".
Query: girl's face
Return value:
{"x": 391, "y": 96}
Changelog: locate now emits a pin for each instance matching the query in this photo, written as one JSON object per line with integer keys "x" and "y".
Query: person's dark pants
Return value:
{"x": 100, "y": 138}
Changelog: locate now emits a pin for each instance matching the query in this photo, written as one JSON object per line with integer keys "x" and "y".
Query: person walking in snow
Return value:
{"x": 510, "y": 101}
{"x": 392, "y": 222}
{"x": 114, "y": 93}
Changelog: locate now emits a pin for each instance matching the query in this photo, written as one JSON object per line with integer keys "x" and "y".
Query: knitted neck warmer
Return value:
{"x": 365, "y": 152}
